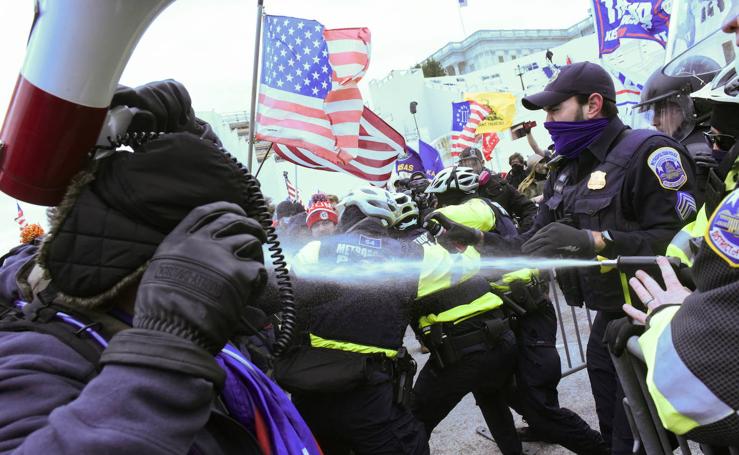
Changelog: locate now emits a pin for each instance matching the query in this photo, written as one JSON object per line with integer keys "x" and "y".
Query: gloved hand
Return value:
{"x": 557, "y": 239}
{"x": 203, "y": 275}
{"x": 162, "y": 106}
{"x": 618, "y": 333}
{"x": 704, "y": 162}
{"x": 454, "y": 232}
{"x": 194, "y": 292}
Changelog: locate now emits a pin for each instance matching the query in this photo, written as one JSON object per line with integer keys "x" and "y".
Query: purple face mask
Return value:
{"x": 571, "y": 138}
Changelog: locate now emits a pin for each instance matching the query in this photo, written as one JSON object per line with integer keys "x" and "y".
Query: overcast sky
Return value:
{"x": 208, "y": 45}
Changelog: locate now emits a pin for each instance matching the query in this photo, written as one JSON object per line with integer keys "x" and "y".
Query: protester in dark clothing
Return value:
{"x": 153, "y": 250}
{"x": 518, "y": 170}
{"x": 497, "y": 189}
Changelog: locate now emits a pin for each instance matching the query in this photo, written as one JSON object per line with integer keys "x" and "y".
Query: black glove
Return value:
{"x": 557, "y": 239}
{"x": 704, "y": 162}
{"x": 194, "y": 293}
{"x": 454, "y": 232}
{"x": 162, "y": 106}
{"x": 618, "y": 333}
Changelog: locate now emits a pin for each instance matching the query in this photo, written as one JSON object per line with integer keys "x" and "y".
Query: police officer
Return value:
{"x": 611, "y": 191}
{"x": 538, "y": 369}
{"x": 691, "y": 341}
{"x": 723, "y": 95}
{"x": 666, "y": 96}
{"x": 495, "y": 188}
{"x": 350, "y": 373}
{"x": 461, "y": 321}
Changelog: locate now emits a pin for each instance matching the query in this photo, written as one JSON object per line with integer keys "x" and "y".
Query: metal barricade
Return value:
{"x": 649, "y": 434}
{"x": 570, "y": 323}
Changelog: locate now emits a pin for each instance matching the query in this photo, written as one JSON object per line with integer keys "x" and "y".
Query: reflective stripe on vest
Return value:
{"x": 679, "y": 247}
{"x": 442, "y": 270}
{"x": 318, "y": 342}
{"x": 683, "y": 402}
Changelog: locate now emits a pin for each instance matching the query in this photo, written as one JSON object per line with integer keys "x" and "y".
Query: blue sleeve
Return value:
{"x": 49, "y": 408}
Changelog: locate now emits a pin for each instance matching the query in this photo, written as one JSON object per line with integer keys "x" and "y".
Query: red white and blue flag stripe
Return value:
{"x": 467, "y": 137}
{"x": 21, "y": 218}
{"x": 378, "y": 148}
{"x": 308, "y": 94}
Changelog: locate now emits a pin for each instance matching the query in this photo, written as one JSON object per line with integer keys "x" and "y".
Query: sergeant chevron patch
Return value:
{"x": 685, "y": 205}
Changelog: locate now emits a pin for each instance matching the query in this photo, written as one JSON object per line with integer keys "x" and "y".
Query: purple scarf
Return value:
{"x": 571, "y": 138}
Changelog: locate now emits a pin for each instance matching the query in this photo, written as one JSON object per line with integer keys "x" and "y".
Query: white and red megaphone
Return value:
{"x": 75, "y": 56}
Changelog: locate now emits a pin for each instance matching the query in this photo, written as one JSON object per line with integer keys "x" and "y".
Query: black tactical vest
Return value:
{"x": 371, "y": 309}
{"x": 595, "y": 203}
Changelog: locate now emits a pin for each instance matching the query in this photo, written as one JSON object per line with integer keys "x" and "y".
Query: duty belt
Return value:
{"x": 448, "y": 347}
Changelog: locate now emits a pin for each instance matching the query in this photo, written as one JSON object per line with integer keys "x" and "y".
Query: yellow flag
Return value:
{"x": 503, "y": 110}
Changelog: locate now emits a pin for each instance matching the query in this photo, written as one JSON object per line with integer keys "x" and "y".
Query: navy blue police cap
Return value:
{"x": 582, "y": 78}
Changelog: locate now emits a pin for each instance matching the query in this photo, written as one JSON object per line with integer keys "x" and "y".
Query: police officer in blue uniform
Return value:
{"x": 611, "y": 191}
{"x": 349, "y": 374}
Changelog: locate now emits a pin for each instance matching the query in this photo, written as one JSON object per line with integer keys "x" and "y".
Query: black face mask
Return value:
{"x": 517, "y": 167}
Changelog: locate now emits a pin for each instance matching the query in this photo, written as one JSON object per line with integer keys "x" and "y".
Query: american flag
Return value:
{"x": 466, "y": 137}
{"x": 292, "y": 193}
{"x": 379, "y": 147}
{"x": 21, "y": 218}
{"x": 308, "y": 94}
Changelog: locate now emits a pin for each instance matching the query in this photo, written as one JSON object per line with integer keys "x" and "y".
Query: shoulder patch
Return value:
{"x": 666, "y": 165}
{"x": 723, "y": 230}
{"x": 370, "y": 242}
{"x": 685, "y": 205}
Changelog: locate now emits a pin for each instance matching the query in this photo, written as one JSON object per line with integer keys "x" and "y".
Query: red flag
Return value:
{"x": 489, "y": 141}
{"x": 379, "y": 147}
{"x": 568, "y": 61}
{"x": 466, "y": 137}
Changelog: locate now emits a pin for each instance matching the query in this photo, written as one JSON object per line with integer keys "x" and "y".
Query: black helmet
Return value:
{"x": 667, "y": 94}
{"x": 688, "y": 76}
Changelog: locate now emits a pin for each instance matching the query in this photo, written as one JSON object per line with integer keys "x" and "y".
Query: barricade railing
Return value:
{"x": 574, "y": 324}
{"x": 641, "y": 412}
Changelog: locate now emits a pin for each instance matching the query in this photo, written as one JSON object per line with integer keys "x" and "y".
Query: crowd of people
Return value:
{"x": 147, "y": 321}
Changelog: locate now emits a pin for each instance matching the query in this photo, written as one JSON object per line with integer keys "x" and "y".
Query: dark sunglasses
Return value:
{"x": 723, "y": 141}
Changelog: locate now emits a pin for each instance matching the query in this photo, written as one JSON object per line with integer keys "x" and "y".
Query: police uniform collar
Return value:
{"x": 600, "y": 147}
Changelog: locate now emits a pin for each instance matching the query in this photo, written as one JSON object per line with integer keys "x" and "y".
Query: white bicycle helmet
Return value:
{"x": 460, "y": 178}
{"x": 406, "y": 214}
{"x": 375, "y": 202}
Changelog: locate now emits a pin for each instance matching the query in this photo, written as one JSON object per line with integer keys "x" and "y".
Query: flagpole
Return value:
{"x": 461, "y": 21}
{"x": 255, "y": 74}
{"x": 266, "y": 155}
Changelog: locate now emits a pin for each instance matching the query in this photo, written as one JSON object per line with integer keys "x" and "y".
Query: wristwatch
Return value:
{"x": 607, "y": 239}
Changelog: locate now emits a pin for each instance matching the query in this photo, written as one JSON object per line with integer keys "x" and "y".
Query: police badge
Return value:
{"x": 597, "y": 180}
{"x": 666, "y": 165}
{"x": 722, "y": 234}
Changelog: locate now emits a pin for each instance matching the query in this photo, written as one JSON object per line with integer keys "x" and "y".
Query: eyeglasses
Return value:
{"x": 723, "y": 141}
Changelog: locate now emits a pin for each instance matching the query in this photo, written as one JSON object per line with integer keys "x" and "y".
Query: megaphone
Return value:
{"x": 76, "y": 53}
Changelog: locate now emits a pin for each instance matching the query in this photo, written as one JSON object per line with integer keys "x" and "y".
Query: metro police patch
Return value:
{"x": 722, "y": 234}
{"x": 666, "y": 165}
{"x": 685, "y": 206}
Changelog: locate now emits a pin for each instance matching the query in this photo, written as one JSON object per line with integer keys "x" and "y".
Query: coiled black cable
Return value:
{"x": 257, "y": 209}
{"x": 131, "y": 139}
